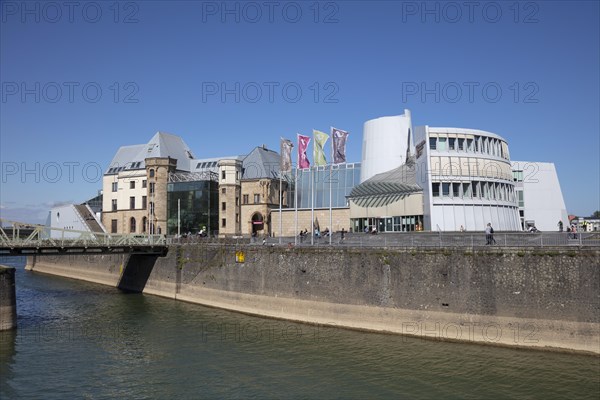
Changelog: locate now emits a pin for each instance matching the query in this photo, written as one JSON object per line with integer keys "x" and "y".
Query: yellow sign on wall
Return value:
{"x": 240, "y": 257}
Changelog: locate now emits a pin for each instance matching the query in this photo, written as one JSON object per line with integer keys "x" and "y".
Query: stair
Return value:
{"x": 89, "y": 218}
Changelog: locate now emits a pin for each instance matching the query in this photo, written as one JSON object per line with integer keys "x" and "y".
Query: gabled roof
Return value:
{"x": 161, "y": 145}
{"x": 387, "y": 187}
{"x": 261, "y": 163}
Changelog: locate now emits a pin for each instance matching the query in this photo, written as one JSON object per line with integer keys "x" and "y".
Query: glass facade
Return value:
{"x": 199, "y": 204}
{"x": 341, "y": 177}
{"x": 406, "y": 223}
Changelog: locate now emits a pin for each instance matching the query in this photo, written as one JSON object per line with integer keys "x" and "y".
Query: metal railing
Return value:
{"x": 15, "y": 234}
{"x": 413, "y": 240}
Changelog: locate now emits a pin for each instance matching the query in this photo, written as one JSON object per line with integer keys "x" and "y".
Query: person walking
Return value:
{"x": 488, "y": 234}
{"x": 343, "y": 235}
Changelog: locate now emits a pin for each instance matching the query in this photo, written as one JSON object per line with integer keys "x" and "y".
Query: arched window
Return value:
{"x": 144, "y": 224}
{"x": 132, "y": 225}
{"x": 152, "y": 173}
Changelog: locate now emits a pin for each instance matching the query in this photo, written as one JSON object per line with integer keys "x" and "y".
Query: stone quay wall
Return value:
{"x": 532, "y": 298}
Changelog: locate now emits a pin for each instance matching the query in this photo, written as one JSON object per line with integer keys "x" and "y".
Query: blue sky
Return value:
{"x": 78, "y": 83}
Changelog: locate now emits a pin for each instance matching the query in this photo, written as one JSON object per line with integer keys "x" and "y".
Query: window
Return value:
{"x": 245, "y": 199}
{"x": 518, "y": 176}
{"x": 223, "y": 174}
{"x": 115, "y": 186}
{"x": 132, "y": 225}
{"x": 144, "y": 202}
{"x": 223, "y": 222}
{"x": 442, "y": 144}
{"x": 469, "y": 144}
{"x": 131, "y": 184}
{"x": 144, "y": 183}
{"x": 456, "y": 190}
{"x": 223, "y": 191}
{"x": 144, "y": 224}
{"x": 223, "y": 206}
{"x": 256, "y": 198}
{"x": 132, "y": 202}
{"x": 114, "y": 204}
{"x": 466, "y": 190}
{"x": 432, "y": 143}
{"x": 451, "y": 143}
{"x": 152, "y": 187}
{"x": 237, "y": 201}
{"x": 113, "y": 226}
{"x": 476, "y": 189}
{"x": 445, "y": 189}
{"x": 461, "y": 144}
{"x": 435, "y": 189}
{"x": 521, "y": 199}
{"x": 477, "y": 143}
{"x": 237, "y": 218}
{"x": 151, "y": 208}
{"x": 151, "y": 173}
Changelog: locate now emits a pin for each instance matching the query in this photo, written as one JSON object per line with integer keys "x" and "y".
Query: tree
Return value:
{"x": 595, "y": 215}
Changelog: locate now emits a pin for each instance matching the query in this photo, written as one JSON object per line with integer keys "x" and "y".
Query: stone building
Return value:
{"x": 161, "y": 188}
{"x": 249, "y": 193}
{"x": 135, "y": 184}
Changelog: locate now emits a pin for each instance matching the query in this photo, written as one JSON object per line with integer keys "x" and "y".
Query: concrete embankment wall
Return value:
{"x": 527, "y": 298}
{"x": 8, "y": 299}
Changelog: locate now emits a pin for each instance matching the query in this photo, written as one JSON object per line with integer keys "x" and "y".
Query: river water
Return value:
{"x": 82, "y": 340}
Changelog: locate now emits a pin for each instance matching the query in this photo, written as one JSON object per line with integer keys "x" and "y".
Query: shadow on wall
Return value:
{"x": 136, "y": 272}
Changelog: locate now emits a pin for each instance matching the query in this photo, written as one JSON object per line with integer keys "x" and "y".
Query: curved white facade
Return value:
{"x": 467, "y": 180}
{"x": 385, "y": 143}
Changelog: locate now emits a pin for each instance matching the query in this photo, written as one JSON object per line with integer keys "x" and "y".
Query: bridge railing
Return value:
{"x": 17, "y": 234}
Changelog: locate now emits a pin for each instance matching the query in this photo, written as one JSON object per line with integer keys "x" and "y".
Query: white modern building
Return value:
{"x": 466, "y": 178}
{"x": 76, "y": 217}
{"x": 539, "y": 196}
{"x": 386, "y": 143}
{"x": 453, "y": 179}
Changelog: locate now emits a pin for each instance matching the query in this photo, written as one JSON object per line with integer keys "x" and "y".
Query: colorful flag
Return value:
{"x": 286, "y": 155}
{"x": 303, "y": 142}
{"x": 338, "y": 144}
{"x": 318, "y": 146}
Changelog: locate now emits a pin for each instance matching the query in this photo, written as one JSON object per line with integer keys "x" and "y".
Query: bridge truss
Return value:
{"x": 19, "y": 238}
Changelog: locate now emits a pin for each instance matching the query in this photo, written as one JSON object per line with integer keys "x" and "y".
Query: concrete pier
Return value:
{"x": 8, "y": 299}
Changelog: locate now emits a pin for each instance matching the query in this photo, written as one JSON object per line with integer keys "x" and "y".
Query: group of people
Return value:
{"x": 571, "y": 230}
{"x": 318, "y": 234}
{"x": 372, "y": 230}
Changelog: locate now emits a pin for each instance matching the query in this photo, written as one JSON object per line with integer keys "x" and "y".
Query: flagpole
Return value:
{"x": 280, "y": 213}
{"x": 296, "y": 207}
{"x": 330, "y": 199}
{"x": 312, "y": 207}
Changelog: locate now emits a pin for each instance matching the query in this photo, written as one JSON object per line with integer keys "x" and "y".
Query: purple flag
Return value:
{"x": 303, "y": 142}
{"x": 339, "y": 145}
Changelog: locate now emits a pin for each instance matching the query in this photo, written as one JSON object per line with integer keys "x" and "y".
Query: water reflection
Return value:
{"x": 83, "y": 340}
